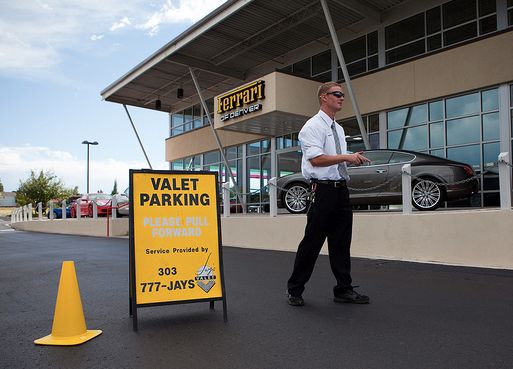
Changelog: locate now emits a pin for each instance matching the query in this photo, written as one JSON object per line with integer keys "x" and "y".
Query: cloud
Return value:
{"x": 121, "y": 24}
{"x": 16, "y": 54}
{"x": 16, "y": 163}
{"x": 34, "y": 34}
{"x": 183, "y": 11}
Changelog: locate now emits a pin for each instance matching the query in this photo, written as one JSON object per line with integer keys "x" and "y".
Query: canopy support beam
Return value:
{"x": 218, "y": 141}
{"x": 137, "y": 135}
{"x": 336, "y": 45}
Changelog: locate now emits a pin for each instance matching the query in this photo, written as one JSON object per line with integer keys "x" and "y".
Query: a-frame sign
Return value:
{"x": 175, "y": 239}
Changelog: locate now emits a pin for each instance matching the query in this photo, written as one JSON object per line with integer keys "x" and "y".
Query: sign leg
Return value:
{"x": 225, "y": 312}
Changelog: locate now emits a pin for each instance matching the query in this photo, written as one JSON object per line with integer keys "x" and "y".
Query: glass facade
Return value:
{"x": 463, "y": 128}
{"x": 191, "y": 118}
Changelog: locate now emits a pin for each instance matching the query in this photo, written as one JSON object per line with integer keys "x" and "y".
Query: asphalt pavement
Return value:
{"x": 420, "y": 315}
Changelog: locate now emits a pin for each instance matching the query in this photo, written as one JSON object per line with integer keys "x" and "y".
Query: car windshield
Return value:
{"x": 100, "y": 196}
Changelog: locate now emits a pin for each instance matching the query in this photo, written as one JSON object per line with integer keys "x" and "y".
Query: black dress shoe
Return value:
{"x": 295, "y": 300}
{"x": 352, "y": 297}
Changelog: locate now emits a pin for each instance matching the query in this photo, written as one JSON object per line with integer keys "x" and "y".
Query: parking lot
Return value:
{"x": 420, "y": 316}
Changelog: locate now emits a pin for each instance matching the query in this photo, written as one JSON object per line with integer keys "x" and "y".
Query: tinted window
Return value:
{"x": 321, "y": 62}
{"x": 490, "y": 100}
{"x": 378, "y": 157}
{"x": 462, "y": 105}
{"x": 467, "y": 154}
{"x": 464, "y": 130}
{"x": 460, "y": 34}
{"x": 372, "y": 43}
{"x": 433, "y": 20}
{"x": 486, "y": 7}
{"x": 491, "y": 126}
{"x": 436, "y": 134}
{"x": 434, "y": 42}
{"x": 354, "y": 50}
{"x": 401, "y": 157}
{"x": 487, "y": 25}
{"x": 409, "y": 139}
{"x": 436, "y": 110}
{"x": 458, "y": 11}
{"x": 404, "y": 31}
{"x": 405, "y": 52}
{"x": 302, "y": 68}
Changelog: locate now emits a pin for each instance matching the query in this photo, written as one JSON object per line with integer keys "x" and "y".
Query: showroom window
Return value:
{"x": 463, "y": 128}
{"x": 442, "y": 26}
{"x": 354, "y": 136}
{"x": 287, "y": 141}
{"x": 191, "y": 118}
{"x": 258, "y": 173}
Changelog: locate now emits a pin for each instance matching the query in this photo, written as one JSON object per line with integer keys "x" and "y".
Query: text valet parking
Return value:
{"x": 245, "y": 95}
{"x": 175, "y": 238}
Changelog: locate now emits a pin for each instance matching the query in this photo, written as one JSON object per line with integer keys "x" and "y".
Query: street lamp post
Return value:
{"x": 88, "y": 143}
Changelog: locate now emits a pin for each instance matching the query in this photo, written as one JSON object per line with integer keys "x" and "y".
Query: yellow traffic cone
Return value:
{"x": 69, "y": 327}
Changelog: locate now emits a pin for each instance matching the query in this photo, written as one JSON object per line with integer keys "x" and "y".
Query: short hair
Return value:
{"x": 325, "y": 87}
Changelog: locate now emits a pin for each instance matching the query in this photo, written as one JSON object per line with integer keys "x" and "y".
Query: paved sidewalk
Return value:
{"x": 420, "y": 316}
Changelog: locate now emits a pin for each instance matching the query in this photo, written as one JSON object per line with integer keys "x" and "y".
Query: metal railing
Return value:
{"x": 24, "y": 213}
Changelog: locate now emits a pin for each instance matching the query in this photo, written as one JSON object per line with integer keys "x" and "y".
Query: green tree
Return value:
{"x": 115, "y": 189}
{"x": 42, "y": 188}
{"x": 1, "y": 186}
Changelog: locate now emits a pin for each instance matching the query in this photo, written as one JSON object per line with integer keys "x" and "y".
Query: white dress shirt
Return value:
{"x": 316, "y": 139}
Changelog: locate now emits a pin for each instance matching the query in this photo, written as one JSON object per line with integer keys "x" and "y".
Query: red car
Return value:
{"x": 103, "y": 202}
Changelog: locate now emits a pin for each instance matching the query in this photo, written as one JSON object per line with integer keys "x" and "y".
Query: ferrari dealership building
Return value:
{"x": 429, "y": 76}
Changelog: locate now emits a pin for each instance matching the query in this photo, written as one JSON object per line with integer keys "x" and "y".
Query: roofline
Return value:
{"x": 198, "y": 28}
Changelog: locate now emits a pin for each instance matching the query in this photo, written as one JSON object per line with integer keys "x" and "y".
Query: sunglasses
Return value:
{"x": 336, "y": 94}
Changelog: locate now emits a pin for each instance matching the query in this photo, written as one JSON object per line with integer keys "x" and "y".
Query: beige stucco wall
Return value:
{"x": 482, "y": 238}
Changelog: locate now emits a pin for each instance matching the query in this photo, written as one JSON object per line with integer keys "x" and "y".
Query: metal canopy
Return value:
{"x": 239, "y": 41}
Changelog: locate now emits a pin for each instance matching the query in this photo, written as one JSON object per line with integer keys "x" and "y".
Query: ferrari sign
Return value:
{"x": 175, "y": 238}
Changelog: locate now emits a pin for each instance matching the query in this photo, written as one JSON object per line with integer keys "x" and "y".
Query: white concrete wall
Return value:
{"x": 85, "y": 227}
{"x": 481, "y": 238}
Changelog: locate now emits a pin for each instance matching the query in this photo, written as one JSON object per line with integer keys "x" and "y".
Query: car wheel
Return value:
{"x": 295, "y": 198}
{"x": 426, "y": 195}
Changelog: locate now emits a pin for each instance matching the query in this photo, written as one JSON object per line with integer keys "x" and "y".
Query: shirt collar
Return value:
{"x": 325, "y": 117}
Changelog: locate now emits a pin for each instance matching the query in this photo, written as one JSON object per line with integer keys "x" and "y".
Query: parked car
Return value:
{"x": 122, "y": 199}
{"x": 428, "y": 193}
{"x": 57, "y": 211}
{"x": 103, "y": 202}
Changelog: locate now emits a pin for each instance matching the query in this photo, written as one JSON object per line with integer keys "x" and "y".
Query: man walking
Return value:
{"x": 330, "y": 215}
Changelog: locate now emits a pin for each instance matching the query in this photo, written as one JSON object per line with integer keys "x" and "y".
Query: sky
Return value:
{"x": 56, "y": 56}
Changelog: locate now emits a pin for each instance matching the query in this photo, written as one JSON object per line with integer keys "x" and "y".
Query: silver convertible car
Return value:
{"x": 379, "y": 182}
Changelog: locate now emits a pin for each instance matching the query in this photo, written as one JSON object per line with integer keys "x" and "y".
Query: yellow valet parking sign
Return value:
{"x": 175, "y": 239}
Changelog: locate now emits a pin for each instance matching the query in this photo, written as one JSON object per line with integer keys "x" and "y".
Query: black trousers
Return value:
{"x": 329, "y": 216}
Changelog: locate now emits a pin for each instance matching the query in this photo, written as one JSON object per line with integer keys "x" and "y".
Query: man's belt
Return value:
{"x": 331, "y": 183}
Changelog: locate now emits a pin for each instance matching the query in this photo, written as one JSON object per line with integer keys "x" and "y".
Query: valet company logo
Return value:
{"x": 205, "y": 278}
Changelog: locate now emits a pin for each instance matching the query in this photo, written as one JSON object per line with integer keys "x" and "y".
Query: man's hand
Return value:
{"x": 357, "y": 158}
